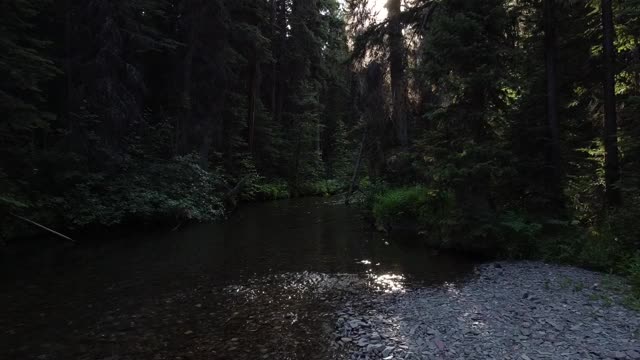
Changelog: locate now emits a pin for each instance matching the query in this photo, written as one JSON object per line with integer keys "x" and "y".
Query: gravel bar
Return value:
{"x": 515, "y": 310}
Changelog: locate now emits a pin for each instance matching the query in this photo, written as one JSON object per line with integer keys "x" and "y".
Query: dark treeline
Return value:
{"x": 517, "y": 121}
{"x": 129, "y": 110}
{"x": 487, "y": 123}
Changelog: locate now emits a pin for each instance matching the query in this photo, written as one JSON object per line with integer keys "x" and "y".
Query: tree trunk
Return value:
{"x": 187, "y": 75}
{"x": 611, "y": 161}
{"x": 398, "y": 81}
{"x": 274, "y": 66}
{"x": 636, "y": 58}
{"x": 551, "y": 59}
{"x": 356, "y": 168}
{"x": 376, "y": 120}
{"x": 68, "y": 37}
{"x": 254, "y": 86}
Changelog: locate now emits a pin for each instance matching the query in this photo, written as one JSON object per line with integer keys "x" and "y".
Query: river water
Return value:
{"x": 263, "y": 284}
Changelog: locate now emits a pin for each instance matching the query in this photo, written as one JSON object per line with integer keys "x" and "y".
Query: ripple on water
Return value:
{"x": 195, "y": 293}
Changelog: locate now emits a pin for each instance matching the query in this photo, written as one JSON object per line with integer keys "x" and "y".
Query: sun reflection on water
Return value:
{"x": 388, "y": 283}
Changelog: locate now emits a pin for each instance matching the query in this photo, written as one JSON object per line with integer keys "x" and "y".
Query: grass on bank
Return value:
{"x": 608, "y": 244}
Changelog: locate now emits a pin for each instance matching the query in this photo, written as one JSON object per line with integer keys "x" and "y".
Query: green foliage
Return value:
{"x": 25, "y": 67}
{"x": 163, "y": 106}
{"x": 442, "y": 221}
{"x": 370, "y": 190}
{"x": 633, "y": 272}
{"x": 262, "y": 190}
{"x": 325, "y": 187}
{"x": 402, "y": 203}
{"x": 594, "y": 249}
{"x": 517, "y": 234}
{"x": 272, "y": 191}
{"x": 600, "y": 241}
{"x": 433, "y": 211}
{"x": 178, "y": 190}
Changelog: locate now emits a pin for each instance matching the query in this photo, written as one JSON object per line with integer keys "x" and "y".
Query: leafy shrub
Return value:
{"x": 370, "y": 191}
{"x": 257, "y": 187}
{"x": 600, "y": 252}
{"x": 440, "y": 216}
{"x": 178, "y": 189}
{"x": 325, "y": 187}
{"x": 596, "y": 249}
{"x": 401, "y": 203}
{"x": 447, "y": 223}
{"x": 517, "y": 234}
{"x": 263, "y": 191}
{"x": 633, "y": 273}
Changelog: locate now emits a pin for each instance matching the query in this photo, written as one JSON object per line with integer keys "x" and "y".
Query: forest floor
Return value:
{"x": 520, "y": 310}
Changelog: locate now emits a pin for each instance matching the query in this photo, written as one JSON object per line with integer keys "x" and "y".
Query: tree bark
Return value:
{"x": 274, "y": 51}
{"x": 356, "y": 168}
{"x": 551, "y": 59}
{"x": 187, "y": 75}
{"x": 636, "y": 58}
{"x": 611, "y": 160}
{"x": 398, "y": 81}
{"x": 68, "y": 37}
{"x": 254, "y": 87}
{"x": 282, "y": 44}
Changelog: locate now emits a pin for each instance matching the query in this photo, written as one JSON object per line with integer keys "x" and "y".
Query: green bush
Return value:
{"x": 448, "y": 223}
{"x": 264, "y": 191}
{"x": 596, "y": 248}
{"x": 325, "y": 187}
{"x": 516, "y": 234}
{"x": 400, "y": 203}
{"x": 369, "y": 192}
{"x": 179, "y": 189}
{"x": 440, "y": 216}
{"x": 633, "y": 273}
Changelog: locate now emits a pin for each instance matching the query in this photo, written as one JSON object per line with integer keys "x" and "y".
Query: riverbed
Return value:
{"x": 267, "y": 283}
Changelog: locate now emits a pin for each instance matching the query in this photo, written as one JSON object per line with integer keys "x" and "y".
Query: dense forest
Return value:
{"x": 494, "y": 124}
{"x": 146, "y": 110}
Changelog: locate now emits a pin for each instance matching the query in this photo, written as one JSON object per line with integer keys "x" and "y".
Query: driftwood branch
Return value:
{"x": 42, "y": 227}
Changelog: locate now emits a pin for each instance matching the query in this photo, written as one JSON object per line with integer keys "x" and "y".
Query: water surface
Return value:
{"x": 261, "y": 285}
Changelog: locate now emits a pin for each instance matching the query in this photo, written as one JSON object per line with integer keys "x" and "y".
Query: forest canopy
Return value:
{"x": 488, "y": 123}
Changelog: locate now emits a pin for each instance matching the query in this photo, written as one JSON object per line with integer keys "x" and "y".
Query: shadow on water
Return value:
{"x": 261, "y": 285}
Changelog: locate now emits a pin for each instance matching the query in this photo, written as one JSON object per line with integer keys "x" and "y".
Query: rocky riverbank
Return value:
{"x": 523, "y": 310}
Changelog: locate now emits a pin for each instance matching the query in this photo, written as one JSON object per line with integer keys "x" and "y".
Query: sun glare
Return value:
{"x": 378, "y": 8}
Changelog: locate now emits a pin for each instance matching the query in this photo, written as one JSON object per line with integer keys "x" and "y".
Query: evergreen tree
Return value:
{"x": 26, "y": 67}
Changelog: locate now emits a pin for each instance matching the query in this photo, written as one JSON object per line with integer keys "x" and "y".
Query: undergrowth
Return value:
{"x": 608, "y": 243}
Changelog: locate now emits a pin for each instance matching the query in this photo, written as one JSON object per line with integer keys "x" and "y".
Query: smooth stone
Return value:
{"x": 633, "y": 354}
{"x": 387, "y": 351}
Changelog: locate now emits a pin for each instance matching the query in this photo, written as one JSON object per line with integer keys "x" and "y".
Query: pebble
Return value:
{"x": 514, "y": 310}
{"x": 633, "y": 354}
{"x": 387, "y": 351}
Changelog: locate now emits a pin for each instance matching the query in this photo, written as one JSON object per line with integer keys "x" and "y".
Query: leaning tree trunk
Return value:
{"x": 398, "y": 80}
{"x": 551, "y": 56}
{"x": 611, "y": 161}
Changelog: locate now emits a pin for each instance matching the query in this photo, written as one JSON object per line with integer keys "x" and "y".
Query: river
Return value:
{"x": 263, "y": 284}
